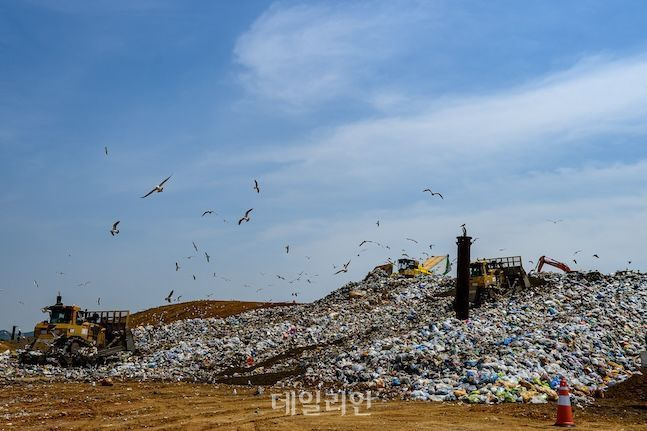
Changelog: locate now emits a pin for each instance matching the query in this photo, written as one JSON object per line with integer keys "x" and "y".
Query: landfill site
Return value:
{"x": 323, "y": 215}
{"x": 223, "y": 365}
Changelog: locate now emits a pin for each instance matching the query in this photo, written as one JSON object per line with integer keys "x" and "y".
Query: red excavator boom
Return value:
{"x": 552, "y": 262}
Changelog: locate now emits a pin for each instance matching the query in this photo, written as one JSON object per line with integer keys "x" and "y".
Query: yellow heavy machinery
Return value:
{"x": 72, "y": 336}
{"x": 413, "y": 268}
{"x": 491, "y": 274}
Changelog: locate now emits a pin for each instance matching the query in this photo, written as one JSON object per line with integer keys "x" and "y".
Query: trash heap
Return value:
{"x": 398, "y": 338}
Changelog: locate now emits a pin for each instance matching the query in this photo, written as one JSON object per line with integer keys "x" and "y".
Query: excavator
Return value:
{"x": 72, "y": 336}
{"x": 552, "y": 262}
{"x": 413, "y": 268}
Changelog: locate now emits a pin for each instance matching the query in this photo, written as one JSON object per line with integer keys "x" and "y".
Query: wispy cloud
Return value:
{"x": 306, "y": 54}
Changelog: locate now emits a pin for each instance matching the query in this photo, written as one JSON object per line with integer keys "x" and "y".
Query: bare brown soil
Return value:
{"x": 184, "y": 406}
{"x": 196, "y": 309}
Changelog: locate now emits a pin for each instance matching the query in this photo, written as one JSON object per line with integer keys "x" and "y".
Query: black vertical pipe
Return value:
{"x": 462, "y": 302}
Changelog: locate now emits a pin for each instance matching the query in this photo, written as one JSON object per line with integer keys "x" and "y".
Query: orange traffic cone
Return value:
{"x": 564, "y": 411}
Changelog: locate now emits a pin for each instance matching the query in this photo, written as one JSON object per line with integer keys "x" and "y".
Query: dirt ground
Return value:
{"x": 184, "y": 406}
{"x": 196, "y": 309}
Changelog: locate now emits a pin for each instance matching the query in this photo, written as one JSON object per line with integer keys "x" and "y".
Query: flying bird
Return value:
{"x": 554, "y": 221}
{"x": 168, "y": 298}
{"x": 60, "y": 273}
{"x": 246, "y": 217}
{"x": 207, "y": 212}
{"x": 344, "y": 269}
{"x": 36, "y": 284}
{"x": 83, "y": 284}
{"x": 577, "y": 251}
{"x": 433, "y": 193}
{"x": 207, "y": 256}
{"x": 106, "y": 150}
{"x": 177, "y": 267}
{"x": 158, "y": 188}
{"x": 194, "y": 246}
{"x": 363, "y": 242}
{"x": 377, "y": 223}
{"x": 278, "y": 276}
{"x": 287, "y": 249}
{"x": 431, "y": 246}
{"x": 575, "y": 261}
{"x": 256, "y": 187}
{"x": 99, "y": 301}
{"x": 411, "y": 239}
{"x": 178, "y": 298}
{"x": 114, "y": 231}
{"x": 596, "y": 256}
{"x": 193, "y": 277}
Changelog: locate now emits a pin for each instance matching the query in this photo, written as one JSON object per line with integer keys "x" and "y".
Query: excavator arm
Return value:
{"x": 552, "y": 262}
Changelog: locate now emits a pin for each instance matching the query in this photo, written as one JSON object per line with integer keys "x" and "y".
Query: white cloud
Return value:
{"x": 306, "y": 54}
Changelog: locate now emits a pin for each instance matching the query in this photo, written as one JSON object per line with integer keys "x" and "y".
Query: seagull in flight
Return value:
{"x": 364, "y": 242}
{"x": 207, "y": 212}
{"x": 106, "y": 150}
{"x": 344, "y": 269}
{"x": 377, "y": 223}
{"x": 99, "y": 301}
{"x": 83, "y": 284}
{"x": 246, "y": 217}
{"x": 433, "y": 193}
{"x": 577, "y": 251}
{"x": 169, "y": 297}
{"x": 256, "y": 187}
{"x": 207, "y": 256}
{"x": 158, "y": 188}
{"x": 278, "y": 276}
{"x": 554, "y": 221}
{"x": 287, "y": 249}
{"x": 575, "y": 261}
{"x": 194, "y": 246}
{"x": 194, "y": 277}
{"x": 596, "y": 256}
{"x": 114, "y": 231}
{"x": 411, "y": 239}
{"x": 177, "y": 267}
{"x": 36, "y": 284}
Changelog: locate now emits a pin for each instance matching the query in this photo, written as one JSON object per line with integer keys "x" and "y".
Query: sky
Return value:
{"x": 519, "y": 113}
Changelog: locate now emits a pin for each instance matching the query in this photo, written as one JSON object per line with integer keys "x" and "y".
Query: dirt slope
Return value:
{"x": 196, "y": 309}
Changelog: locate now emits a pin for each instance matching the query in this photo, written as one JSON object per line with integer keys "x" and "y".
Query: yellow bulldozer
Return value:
{"x": 489, "y": 275}
{"x": 72, "y": 336}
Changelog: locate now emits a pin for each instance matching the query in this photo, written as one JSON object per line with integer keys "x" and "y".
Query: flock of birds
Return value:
{"x": 247, "y": 217}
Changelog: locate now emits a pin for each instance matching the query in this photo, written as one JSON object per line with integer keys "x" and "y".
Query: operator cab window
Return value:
{"x": 475, "y": 271}
{"x": 60, "y": 316}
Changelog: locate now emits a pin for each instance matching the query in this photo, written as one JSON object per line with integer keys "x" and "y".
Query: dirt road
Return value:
{"x": 183, "y": 406}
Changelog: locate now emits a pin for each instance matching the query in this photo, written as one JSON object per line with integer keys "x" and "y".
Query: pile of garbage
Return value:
{"x": 398, "y": 338}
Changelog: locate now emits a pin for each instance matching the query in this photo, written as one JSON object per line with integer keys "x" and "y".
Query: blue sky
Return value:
{"x": 518, "y": 112}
